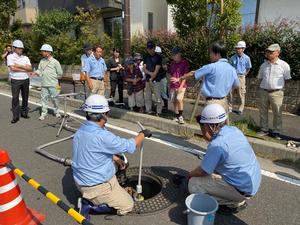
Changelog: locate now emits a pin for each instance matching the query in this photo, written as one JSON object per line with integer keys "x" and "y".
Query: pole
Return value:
{"x": 126, "y": 28}
{"x": 195, "y": 107}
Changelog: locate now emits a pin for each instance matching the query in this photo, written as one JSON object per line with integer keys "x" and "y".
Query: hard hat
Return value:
{"x": 158, "y": 49}
{"x": 18, "y": 44}
{"x": 96, "y": 104}
{"x": 47, "y": 48}
{"x": 241, "y": 44}
{"x": 213, "y": 113}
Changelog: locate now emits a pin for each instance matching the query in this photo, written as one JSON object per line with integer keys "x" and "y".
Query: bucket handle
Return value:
{"x": 186, "y": 211}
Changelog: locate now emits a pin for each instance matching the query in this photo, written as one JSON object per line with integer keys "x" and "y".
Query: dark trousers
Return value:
{"x": 16, "y": 87}
{"x": 113, "y": 86}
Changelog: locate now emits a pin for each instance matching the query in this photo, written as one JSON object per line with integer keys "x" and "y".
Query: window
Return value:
{"x": 21, "y": 4}
{"x": 248, "y": 12}
{"x": 150, "y": 21}
{"x": 113, "y": 25}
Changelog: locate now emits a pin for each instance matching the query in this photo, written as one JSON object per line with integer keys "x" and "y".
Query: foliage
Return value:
{"x": 7, "y": 9}
{"x": 203, "y": 20}
{"x": 285, "y": 33}
{"x": 53, "y": 22}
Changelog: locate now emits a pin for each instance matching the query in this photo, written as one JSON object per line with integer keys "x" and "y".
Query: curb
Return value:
{"x": 263, "y": 148}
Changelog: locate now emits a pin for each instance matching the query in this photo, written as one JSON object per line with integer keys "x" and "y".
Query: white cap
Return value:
{"x": 158, "y": 49}
{"x": 47, "y": 48}
{"x": 96, "y": 104}
{"x": 241, "y": 44}
{"x": 213, "y": 113}
{"x": 18, "y": 44}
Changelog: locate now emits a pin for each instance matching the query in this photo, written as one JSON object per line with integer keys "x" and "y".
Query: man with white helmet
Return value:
{"x": 242, "y": 63}
{"x": 94, "y": 154}
{"x": 229, "y": 171}
{"x": 19, "y": 67}
{"x": 50, "y": 70}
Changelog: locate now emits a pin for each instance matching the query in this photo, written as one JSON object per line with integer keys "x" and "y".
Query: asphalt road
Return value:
{"x": 277, "y": 202}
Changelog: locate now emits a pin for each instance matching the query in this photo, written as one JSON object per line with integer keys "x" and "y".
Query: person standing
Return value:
{"x": 229, "y": 171}
{"x": 95, "y": 69}
{"x": 178, "y": 68}
{"x": 154, "y": 72}
{"x": 19, "y": 67}
{"x": 242, "y": 63}
{"x": 219, "y": 76}
{"x": 88, "y": 51}
{"x": 114, "y": 66}
{"x": 135, "y": 84}
{"x": 273, "y": 73}
{"x": 50, "y": 70}
{"x": 7, "y": 52}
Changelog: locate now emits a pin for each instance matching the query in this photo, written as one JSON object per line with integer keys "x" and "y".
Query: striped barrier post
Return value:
{"x": 53, "y": 198}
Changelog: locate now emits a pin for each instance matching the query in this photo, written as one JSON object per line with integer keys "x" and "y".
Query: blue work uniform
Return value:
{"x": 219, "y": 78}
{"x": 241, "y": 63}
{"x": 95, "y": 68}
{"x": 93, "y": 150}
{"x": 230, "y": 155}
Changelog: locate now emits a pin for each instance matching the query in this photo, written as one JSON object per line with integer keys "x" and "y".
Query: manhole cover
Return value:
{"x": 158, "y": 190}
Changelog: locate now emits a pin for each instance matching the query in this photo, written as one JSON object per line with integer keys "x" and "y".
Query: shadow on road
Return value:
{"x": 69, "y": 188}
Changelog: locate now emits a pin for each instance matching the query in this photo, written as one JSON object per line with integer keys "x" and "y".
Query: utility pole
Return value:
{"x": 126, "y": 28}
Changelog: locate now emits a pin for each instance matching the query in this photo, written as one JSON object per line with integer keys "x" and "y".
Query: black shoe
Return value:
{"x": 14, "y": 120}
{"x": 226, "y": 210}
{"x": 276, "y": 136}
{"x": 25, "y": 116}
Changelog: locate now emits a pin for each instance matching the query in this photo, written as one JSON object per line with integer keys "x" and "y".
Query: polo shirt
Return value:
{"x": 241, "y": 63}
{"x": 94, "y": 67}
{"x": 17, "y": 59}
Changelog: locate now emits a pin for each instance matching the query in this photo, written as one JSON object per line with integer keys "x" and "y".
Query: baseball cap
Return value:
{"x": 273, "y": 47}
{"x": 87, "y": 46}
{"x": 176, "y": 50}
{"x": 138, "y": 56}
{"x": 129, "y": 61}
{"x": 150, "y": 45}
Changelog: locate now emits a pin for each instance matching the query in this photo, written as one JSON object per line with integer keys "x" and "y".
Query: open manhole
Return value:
{"x": 159, "y": 192}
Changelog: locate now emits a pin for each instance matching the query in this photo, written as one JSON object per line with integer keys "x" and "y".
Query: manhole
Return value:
{"x": 158, "y": 190}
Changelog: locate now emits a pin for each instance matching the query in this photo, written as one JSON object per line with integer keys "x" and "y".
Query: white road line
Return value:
{"x": 176, "y": 146}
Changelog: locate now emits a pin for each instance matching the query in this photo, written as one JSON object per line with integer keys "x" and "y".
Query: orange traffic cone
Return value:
{"x": 13, "y": 210}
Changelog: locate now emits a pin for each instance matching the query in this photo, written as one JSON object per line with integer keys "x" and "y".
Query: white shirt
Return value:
{"x": 274, "y": 75}
{"x": 20, "y": 60}
{"x": 141, "y": 66}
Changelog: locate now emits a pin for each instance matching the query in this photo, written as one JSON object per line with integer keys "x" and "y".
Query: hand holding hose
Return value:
{"x": 147, "y": 133}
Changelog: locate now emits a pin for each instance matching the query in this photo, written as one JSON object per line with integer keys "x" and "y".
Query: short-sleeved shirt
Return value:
{"x": 50, "y": 70}
{"x": 82, "y": 59}
{"x": 177, "y": 70}
{"x": 93, "y": 150}
{"x": 230, "y": 155}
{"x": 95, "y": 67}
{"x": 151, "y": 62}
{"x": 20, "y": 60}
{"x": 219, "y": 78}
{"x": 273, "y": 76}
{"x": 135, "y": 75}
{"x": 241, "y": 63}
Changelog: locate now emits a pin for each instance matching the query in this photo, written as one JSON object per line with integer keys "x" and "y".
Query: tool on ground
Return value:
{"x": 66, "y": 116}
{"x": 5, "y": 161}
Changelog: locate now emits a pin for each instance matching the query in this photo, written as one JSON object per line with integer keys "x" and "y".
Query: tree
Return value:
{"x": 7, "y": 9}
{"x": 53, "y": 22}
{"x": 203, "y": 19}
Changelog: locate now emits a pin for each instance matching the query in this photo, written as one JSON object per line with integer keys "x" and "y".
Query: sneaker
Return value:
{"x": 227, "y": 210}
{"x": 57, "y": 115}
{"x": 42, "y": 117}
{"x": 176, "y": 119}
{"x": 262, "y": 133}
{"x": 180, "y": 120}
{"x": 84, "y": 208}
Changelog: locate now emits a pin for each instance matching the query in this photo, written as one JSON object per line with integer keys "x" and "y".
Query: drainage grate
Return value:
{"x": 158, "y": 190}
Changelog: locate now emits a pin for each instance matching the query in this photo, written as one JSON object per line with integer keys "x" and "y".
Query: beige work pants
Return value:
{"x": 136, "y": 99}
{"x": 241, "y": 93}
{"x": 110, "y": 193}
{"x": 98, "y": 87}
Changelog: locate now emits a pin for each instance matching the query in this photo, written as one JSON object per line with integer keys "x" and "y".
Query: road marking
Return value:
{"x": 176, "y": 146}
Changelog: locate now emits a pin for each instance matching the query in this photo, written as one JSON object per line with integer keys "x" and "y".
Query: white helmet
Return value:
{"x": 158, "y": 49}
{"x": 213, "y": 113}
{"x": 47, "y": 48}
{"x": 96, "y": 104}
{"x": 18, "y": 44}
{"x": 241, "y": 44}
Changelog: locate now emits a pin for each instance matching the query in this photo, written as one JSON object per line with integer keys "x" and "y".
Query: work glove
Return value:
{"x": 147, "y": 133}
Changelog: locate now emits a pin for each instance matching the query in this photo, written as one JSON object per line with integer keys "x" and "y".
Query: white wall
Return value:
{"x": 171, "y": 26}
{"x": 139, "y": 15}
{"x": 271, "y": 10}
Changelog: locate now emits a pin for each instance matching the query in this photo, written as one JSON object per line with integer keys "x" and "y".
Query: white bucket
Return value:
{"x": 76, "y": 76}
{"x": 201, "y": 209}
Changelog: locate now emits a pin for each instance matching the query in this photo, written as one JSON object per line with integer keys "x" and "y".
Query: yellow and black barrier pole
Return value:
{"x": 69, "y": 210}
